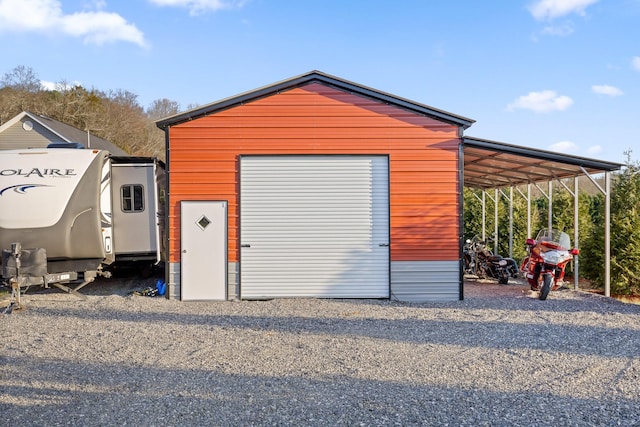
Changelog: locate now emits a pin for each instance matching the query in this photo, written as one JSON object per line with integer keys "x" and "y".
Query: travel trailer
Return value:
{"x": 69, "y": 215}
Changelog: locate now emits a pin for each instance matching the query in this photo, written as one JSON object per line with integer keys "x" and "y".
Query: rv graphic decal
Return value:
{"x": 21, "y": 188}
{"x": 38, "y": 172}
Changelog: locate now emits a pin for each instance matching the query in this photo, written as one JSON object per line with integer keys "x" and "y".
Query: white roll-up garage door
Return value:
{"x": 314, "y": 226}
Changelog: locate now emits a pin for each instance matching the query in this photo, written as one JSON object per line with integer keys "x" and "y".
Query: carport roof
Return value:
{"x": 491, "y": 164}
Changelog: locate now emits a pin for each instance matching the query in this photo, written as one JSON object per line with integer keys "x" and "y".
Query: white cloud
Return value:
{"x": 606, "y": 90}
{"x": 551, "y": 9}
{"x": 46, "y": 85}
{"x": 596, "y": 149}
{"x": 541, "y": 102}
{"x": 201, "y": 6}
{"x": 564, "y": 147}
{"x": 560, "y": 30}
{"x": 46, "y": 16}
{"x": 635, "y": 63}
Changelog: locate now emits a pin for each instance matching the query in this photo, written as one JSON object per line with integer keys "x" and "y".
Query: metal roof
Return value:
{"x": 73, "y": 134}
{"x": 316, "y": 77}
{"x": 491, "y": 164}
{"x": 487, "y": 164}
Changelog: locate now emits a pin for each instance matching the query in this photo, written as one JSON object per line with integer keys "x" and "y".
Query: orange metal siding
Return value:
{"x": 317, "y": 119}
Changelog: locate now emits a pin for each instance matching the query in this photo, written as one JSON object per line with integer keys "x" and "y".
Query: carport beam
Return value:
{"x": 484, "y": 215}
{"x": 550, "y": 205}
{"x": 529, "y": 210}
{"x": 576, "y": 234}
{"x": 607, "y": 234}
{"x": 510, "y": 222}
{"x": 495, "y": 222}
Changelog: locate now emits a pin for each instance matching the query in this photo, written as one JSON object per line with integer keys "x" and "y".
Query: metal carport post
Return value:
{"x": 491, "y": 164}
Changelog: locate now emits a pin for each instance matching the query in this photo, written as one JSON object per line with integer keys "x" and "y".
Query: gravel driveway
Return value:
{"x": 500, "y": 357}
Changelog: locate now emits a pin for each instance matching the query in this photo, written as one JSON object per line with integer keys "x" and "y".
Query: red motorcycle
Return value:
{"x": 548, "y": 255}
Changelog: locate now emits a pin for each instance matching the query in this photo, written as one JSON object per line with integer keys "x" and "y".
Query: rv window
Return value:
{"x": 132, "y": 198}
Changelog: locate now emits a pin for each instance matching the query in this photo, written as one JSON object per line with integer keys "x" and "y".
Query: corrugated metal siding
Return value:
{"x": 174, "y": 284}
{"x": 15, "y": 137}
{"x": 317, "y": 119}
{"x": 421, "y": 281}
{"x": 314, "y": 226}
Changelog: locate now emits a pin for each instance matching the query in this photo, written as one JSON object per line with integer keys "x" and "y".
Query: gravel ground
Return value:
{"x": 500, "y": 357}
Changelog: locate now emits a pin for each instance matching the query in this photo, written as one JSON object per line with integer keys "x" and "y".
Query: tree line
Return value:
{"x": 114, "y": 115}
{"x": 624, "y": 230}
{"x": 117, "y": 116}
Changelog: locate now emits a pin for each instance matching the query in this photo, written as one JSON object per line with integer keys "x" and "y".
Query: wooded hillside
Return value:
{"x": 114, "y": 115}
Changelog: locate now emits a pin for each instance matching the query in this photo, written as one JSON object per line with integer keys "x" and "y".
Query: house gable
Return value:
{"x": 28, "y": 130}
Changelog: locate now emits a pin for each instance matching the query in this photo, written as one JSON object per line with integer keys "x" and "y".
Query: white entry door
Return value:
{"x": 203, "y": 248}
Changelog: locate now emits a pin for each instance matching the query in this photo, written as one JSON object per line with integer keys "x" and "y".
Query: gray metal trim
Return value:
{"x": 167, "y": 194}
{"x": 310, "y": 77}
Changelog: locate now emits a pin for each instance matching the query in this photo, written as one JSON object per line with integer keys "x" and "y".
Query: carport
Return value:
{"x": 492, "y": 165}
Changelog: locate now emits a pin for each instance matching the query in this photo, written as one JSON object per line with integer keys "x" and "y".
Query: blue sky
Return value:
{"x": 559, "y": 75}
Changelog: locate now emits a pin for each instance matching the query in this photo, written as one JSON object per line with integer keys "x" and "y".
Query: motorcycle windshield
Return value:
{"x": 555, "y": 239}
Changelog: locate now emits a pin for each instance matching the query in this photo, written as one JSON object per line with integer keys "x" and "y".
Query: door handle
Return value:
{"x": 245, "y": 246}
{"x": 382, "y": 245}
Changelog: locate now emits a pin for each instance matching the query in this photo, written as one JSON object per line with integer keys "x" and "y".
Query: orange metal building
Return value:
{"x": 315, "y": 187}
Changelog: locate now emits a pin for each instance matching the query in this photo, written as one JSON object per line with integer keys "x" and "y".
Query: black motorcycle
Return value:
{"x": 481, "y": 262}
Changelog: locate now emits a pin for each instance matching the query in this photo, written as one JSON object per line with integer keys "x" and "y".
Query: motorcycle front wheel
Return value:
{"x": 546, "y": 286}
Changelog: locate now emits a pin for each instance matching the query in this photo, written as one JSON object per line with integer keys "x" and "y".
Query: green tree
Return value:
{"x": 519, "y": 225}
{"x": 592, "y": 242}
{"x": 624, "y": 232}
{"x": 472, "y": 213}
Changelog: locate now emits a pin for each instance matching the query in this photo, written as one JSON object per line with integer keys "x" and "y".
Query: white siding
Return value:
{"x": 16, "y": 137}
{"x": 135, "y": 232}
{"x": 314, "y": 226}
{"x": 422, "y": 281}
